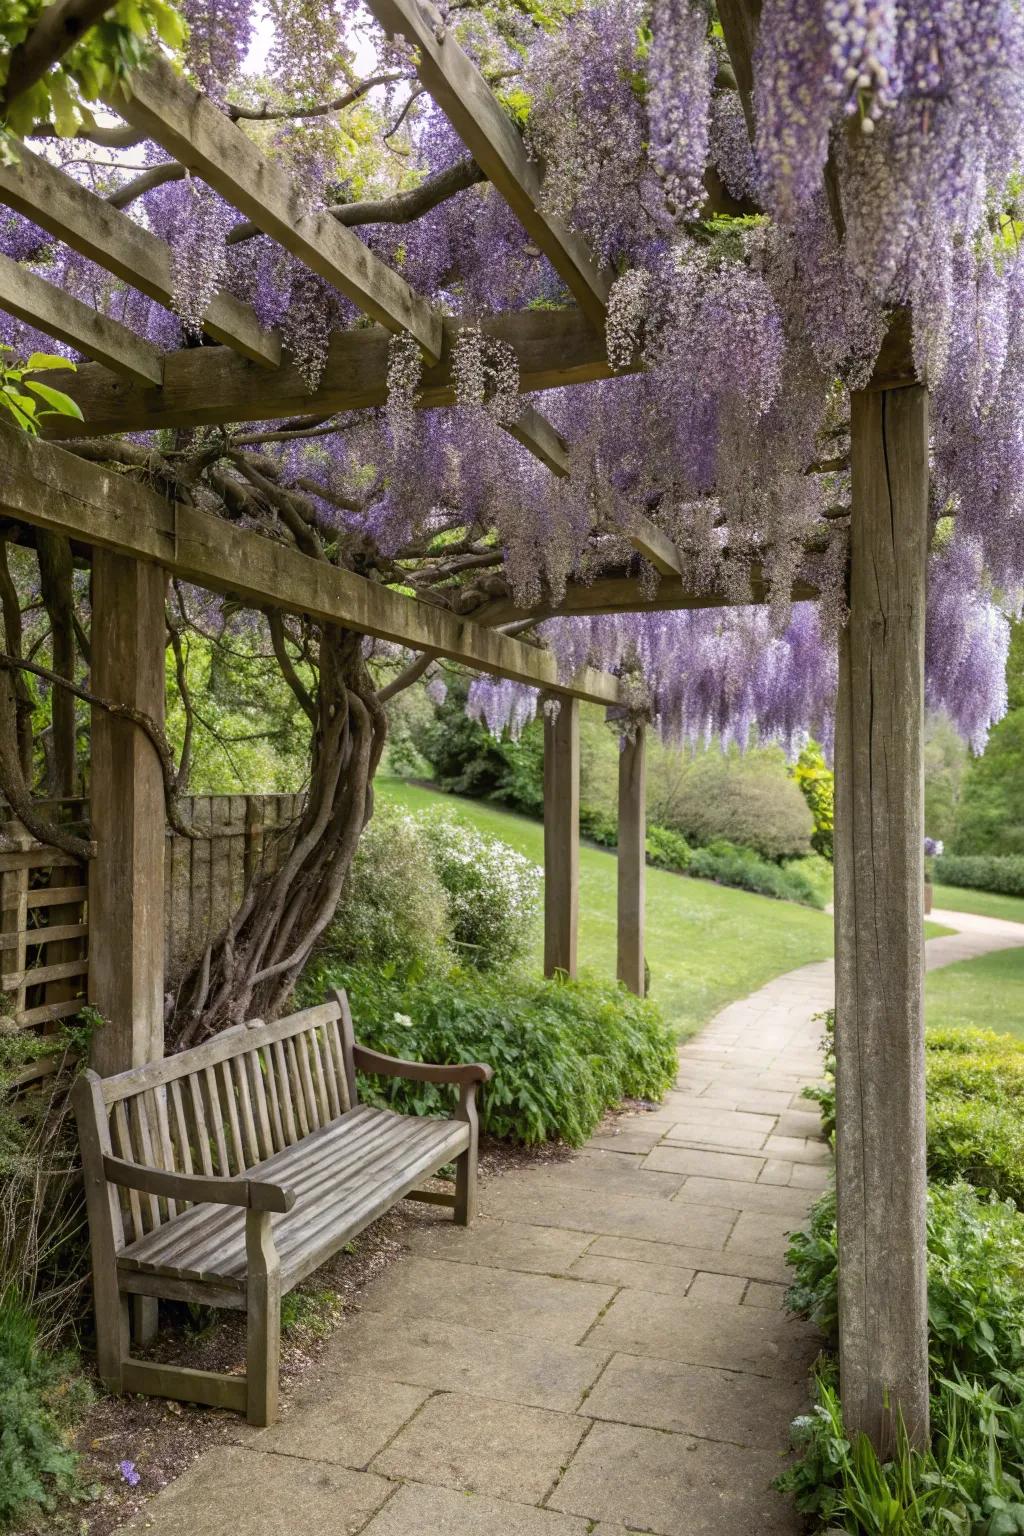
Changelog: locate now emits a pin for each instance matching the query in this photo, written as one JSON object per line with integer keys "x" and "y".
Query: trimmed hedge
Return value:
{"x": 1001, "y": 873}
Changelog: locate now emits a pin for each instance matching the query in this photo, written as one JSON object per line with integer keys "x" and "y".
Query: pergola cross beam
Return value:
{"x": 91, "y": 226}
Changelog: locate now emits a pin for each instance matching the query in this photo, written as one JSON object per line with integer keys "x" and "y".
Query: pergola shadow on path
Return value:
{"x": 138, "y": 539}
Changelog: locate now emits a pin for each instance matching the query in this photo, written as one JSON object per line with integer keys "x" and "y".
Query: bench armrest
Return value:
{"x": 252, "y": 1194}
{"x": 420, "y": 1071}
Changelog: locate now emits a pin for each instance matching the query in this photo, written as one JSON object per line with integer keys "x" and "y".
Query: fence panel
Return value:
{"x": 44, "y": 923}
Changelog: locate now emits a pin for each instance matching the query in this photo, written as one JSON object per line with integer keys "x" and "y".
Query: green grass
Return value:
{"x": 706, "y": 944}
{"x": 957, "y": 898}
{"x": 987, "y": 993}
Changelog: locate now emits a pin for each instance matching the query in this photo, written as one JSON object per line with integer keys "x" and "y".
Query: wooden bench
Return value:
{"x": 226, "y": 1174}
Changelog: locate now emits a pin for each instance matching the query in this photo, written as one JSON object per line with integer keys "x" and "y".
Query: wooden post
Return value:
{"x": 632, "y": 860}
{"x": 126, "y": 878}
{"x": 561, "y": 836}
{"x": 880, "y": 1133}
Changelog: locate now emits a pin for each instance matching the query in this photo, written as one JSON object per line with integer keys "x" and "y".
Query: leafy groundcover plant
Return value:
{"x": 40, "y": 1396}
{"x": 971, "y": 1481}
{"x": 562, "y": 1051}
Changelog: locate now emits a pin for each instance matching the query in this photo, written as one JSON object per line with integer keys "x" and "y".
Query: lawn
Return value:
{"x": 706, "y": 944}
{"x": 957, "y": 898}
{"x": 987, "y": 992}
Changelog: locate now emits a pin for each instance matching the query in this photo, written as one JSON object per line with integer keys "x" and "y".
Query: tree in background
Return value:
{"x": 816, "y": 782}
{"x": 990, "y": 818}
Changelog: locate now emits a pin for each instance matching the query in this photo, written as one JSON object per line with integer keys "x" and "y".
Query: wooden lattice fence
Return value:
{"x": 44, "y": 913}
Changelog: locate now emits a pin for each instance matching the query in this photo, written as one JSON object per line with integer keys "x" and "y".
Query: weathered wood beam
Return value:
{"x": 47, "y": 487}
{"x": 624, "y": 594}
{"x": 561, "y": 837}
{"x": 30, "y": 298}
{"x": 487, "y": 131}
{"x": 740, "y": 21}
{"x": 881, "y": 1179}
{"x": 537, "y": 434}
{"x": 655, "y": 546}
{"x": 90, "y": 226}
{"x": 203, "y": 385}
{"x": 189, "y": 127}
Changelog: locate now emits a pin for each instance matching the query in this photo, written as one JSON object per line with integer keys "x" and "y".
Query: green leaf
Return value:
{"x": 39, "y": 361}
{"x": 56, "y": 399}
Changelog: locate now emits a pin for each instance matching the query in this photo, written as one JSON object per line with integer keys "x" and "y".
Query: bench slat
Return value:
{"x": 387, "y": 1155}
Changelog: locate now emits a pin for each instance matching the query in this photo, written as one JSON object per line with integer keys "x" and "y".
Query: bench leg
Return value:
{"x": 145, "y": 1319}
{"x": 465, "y": 1186}
{"x": 263, "y": 1303}
{"x": 112, "y": 1336}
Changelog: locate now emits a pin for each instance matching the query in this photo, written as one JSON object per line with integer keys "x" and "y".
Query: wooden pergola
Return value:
{"x": 138, "y": 539}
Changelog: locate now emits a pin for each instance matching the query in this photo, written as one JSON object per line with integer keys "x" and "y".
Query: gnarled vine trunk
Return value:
{"x": 251, "y": 967}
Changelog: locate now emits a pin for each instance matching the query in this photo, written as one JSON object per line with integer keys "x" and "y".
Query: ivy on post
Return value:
{"x": 880, "y": 1129}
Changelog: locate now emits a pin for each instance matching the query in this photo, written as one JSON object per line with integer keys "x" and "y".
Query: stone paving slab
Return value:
{"x": 752, "y": 1266}
{"x": 743, "y": 1196}
{"x": 673, "y": 1484}
{"x": 349, "y": 1431}
{"x": 697, "y": 1400}
{"x": 447, "y": 1357}
{"x": 586, "y": 1210}
{"x": 714, "y": 1165}
{"x": 668, "y": 1279}
{"x": 506, "y": 1301}
{"x": 481, "y": 1446}
{"x": 502, "y": 1245}
{"x": 702, "y": 1332}
{"x": 416, "y": 1510}
{"x": 234, "y": 1489}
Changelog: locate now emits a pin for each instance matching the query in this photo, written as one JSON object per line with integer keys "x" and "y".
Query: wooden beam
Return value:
{"x": 487, "y": 131}
{"x": 624, "y": 594}
{"x": 561, "y": 836}
{"x": 204, "y": 385}
{"x": 537, "y": 434}
{"x": 206, "y": 141}
{"x": 880, "y": 1121}
{"x": 30, "y": 298}
{"x": 127, "y": 816}
{"x": 632, "y": 862}
{"x": 50, "y": 488}
{"x": 89, "y": 225}
{"x": 656, "y": 547}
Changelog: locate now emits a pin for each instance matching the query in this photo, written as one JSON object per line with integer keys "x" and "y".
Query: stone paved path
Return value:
{"x": 605, "y": 1351}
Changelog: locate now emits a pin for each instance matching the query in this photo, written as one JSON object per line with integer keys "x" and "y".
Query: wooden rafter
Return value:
{"x": 49, "y": 488}
{"x": 30, "y": 298}
{"x": 464, "y": 96}
{"x": 205, "y": 385}
{"x": 625, "y": 594}
{"x": 90, "y": 226}
{"x": 189, "y": 127}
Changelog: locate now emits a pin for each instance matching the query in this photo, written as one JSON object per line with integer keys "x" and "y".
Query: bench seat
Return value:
{"x": 343, "y": 1177}
{"x": 227, "y": 1173}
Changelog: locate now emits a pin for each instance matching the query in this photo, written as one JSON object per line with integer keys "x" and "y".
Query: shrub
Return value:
{"x": 816, "y": 783}
{"x": 562, "y": 1051}
{"x": 970, "y": 1481}
{"x": 493, "y": 892}
{"x": 599, "y": 826}
{"x": 748, "y": 798}
{"x": 729, "y": 865}
{"x": 1002, "y": 873}
{"x": 974, "y": 1107}
{"x": 38, "y": 1398}
{"x": 395, "y": 906}
{"x": 667, "y": 849}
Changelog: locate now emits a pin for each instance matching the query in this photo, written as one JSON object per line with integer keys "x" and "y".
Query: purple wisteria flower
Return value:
{"x": 933, "y": 848}
{"x": 129, "y": 1473}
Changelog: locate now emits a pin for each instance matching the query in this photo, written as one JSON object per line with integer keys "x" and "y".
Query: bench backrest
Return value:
{"x": 226, "y": 1105}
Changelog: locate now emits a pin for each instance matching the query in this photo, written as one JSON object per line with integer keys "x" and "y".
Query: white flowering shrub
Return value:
{"x": 394, "y": 908}
{"x": 494, "y": 893}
